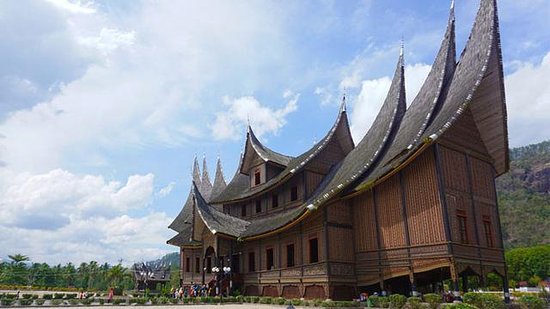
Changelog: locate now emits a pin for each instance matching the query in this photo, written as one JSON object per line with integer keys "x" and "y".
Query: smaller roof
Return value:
{"x": 254, "y": 150}
{"x": 239, "y": 187}
{"x": 184, "y": 215}
{"x": 217, "y": 222}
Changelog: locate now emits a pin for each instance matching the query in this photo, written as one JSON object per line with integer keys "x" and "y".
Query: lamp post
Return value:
{"x": 216, "y": 272}
{"x": 227, "y": 271}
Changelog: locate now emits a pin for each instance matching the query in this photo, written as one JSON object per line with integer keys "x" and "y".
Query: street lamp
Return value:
{"x": 227, "y": 271}
{"x": 216, "y": 272}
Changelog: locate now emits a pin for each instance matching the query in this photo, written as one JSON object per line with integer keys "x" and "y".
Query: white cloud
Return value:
{"x": 373, "y": 93}
{"x": 60, "y": 217}
{"x": 164, "y": 191}
{"x": 75, "y": 7}
{"x": 95, "y": 238}
{"x": 52, "y": 200}
{"x": 528, "y": 102}
{"x": 230, "y": 123}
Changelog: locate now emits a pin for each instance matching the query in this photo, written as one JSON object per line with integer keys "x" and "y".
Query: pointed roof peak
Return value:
{"x": 196, "y": 173}
{"x": 343, "y": 104}
{"x": 452, "y": 12}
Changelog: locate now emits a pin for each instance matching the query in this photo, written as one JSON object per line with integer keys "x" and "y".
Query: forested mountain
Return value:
{"x": 524, "y": 197}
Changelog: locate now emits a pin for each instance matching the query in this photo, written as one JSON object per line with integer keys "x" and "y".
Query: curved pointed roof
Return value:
{"x": 205, "y": 185}
{"x": 219, "y": 181}
{"x": 239, "y": 187}
{"x": 374, "y": 143}
{"x": 254, "y": 149}
{"x": 474, "y": 68}
{"x": 217, "y": 222}
{"x": 186, "y": 211}
{"x": 196, "y": 174}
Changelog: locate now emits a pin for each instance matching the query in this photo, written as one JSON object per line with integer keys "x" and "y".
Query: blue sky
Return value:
{"x": 104, "y": 104}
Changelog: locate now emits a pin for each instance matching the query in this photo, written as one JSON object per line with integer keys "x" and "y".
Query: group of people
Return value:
{"x": 193, "y": 290}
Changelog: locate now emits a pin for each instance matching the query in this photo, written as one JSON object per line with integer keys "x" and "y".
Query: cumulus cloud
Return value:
{"x": 164, "y": 191}
{"x": 230, "y": 123}
{"x": 373, "y": 93}
{"x": 51, "y": 200}
{"x": 528, "y": 102}
{"x": 60, "y": 217}
{"x": 95, "y": 238}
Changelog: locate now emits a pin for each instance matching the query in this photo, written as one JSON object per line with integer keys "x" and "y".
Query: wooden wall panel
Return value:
{"x": 312, "y": 181}
{"x": 364, "y": 223}
{"x": 340, "y": 246}
{"x": 392, "y": 226}
{"x": 424, "y": 216}
{"x": 339, "y": 212}
{"x": 465, "y": 135}
{"x": 482, "y": 179}
{"x": 455, "y": 170}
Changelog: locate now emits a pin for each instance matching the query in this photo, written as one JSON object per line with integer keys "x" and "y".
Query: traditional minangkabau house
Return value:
{"x": 412, "y": 204}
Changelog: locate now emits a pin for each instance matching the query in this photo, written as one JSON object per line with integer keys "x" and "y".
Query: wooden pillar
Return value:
{"x": 454, "y": 279}
{"x": 472, "y": 201}
{"x": 442, "y": 197}
{"x": 406, "y": 228}
{"x": 378, "y": 241}
{"x": 464, "y": 283}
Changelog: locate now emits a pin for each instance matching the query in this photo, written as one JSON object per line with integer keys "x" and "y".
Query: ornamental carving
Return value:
{"x": 341, "y": 269}
{"x": 319, "y": 269}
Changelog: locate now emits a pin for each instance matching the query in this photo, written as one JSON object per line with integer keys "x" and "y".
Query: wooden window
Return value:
{"x": 274, "y": 201}
{"x": 251, "y": 262}
{"x": 257, "y": 177}
{"x": 462, "y": 226}
{"x": 258, "y": 206}
{"x": 487, "y": 227}
{"x": 289, "y": 255}
{"x": 243, "y": 211}
{"x": 226, "y": 209}
{"x": 197, "y": 265}
{"x": 313, "y": 250}
{"x": 269, "y": 258}
{"x": 187, "y": 264}
{"x": 294, "y": 193}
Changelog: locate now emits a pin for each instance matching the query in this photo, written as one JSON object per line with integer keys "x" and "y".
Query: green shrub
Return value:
{"x": 163, "y": 300}
{"x": 70, "y": 295}
{"x": 73, "y": 301}
{"x": 27, "y": 296}
{"x": 173, "y": 300}
{"x": 279, "y": 301}
{"x": 433, "y": 300}
{"x": 397, "y": 301}
{"x": 239, "y": 298}
{"x": 40, "y": 302}
{"x": 457, "y": 306}
{"x": 255, "y": 299}
{"x": 47, "y": 296}
{"x": 296, "y": 302}
{"x": 58, "y": 295}
{"x": 317, "y": 302}
{"x": 25, "y": 302}
{"x": 101, "y": 301}
{"x": 6, "y": 301}
{"x": 119, "y": 301}
{"x": 414, "y": 302}
{"x": 34, "y": 296}
{"x": 266, "y": 300}
{"x": 484, "y": 300}
{"x": 531, "y": 302}
{"x": 87, "y": 301}
{"x": 55, "y": 302}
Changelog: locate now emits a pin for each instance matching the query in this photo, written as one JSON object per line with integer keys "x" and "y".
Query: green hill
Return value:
{"x": 524, "y": 197}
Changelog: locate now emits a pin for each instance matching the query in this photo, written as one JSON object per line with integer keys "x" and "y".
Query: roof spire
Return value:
{"x": 402, "y": 49}
{"x": 343, "y": 105}
{"x": 452, "y": 13}
{"x": 196, "y": 171}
